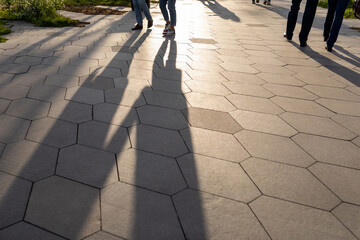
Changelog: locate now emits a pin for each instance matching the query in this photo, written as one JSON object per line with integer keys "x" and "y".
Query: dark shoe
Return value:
{"x": 253, "y": 1}
{"x": 304, "y": 44}
{"x": 257, "y": 1}
{"x": 326, "y": 38}
{"x": 285, "y": 36}
{"x": 137, "y": 27}
{"x": 329, "y": 49}
{"x": 150, "y": 23}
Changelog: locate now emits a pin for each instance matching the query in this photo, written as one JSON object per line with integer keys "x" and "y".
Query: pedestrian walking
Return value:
{"x": 332, "y": 26}
{"x": 307, "y": 21}
{"x": 138, "y": 6}
{"x": 170, "y": 22}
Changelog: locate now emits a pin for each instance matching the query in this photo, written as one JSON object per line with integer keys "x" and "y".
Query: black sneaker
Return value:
{"x": 285, "y": 36}
{"x": 137, "y": 27}
{"x": 150, "y": 23}
{"x": 329, "y": 49}
{"x": 303, "y": 44}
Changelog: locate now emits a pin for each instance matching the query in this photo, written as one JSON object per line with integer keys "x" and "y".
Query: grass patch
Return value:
{"x": 98, "y": 2}
{"x": 348, "y": 12}
{"x": 3, "y": 31}
{"x": 54, "y": 21}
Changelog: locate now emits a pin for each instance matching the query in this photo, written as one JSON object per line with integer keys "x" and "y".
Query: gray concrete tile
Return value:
{"x": 356, "y": 141}
{"x": 107, "y": 72}
{"x": 73, "y": 70}
{"x": 60, "y": 80}
{"x": 13, "y": 91}
{"x": 157, "y": 140}
{"x": 261, "y": 122}
{"x": 162, "y": 117}
{"x": 276, "y": 148}
{"x": 13, "y": 68}
{"x": 29, "y": 160}
{"x": 286, "y": 220}
{"x": 217, "y": 177}
{"x": 208, "y": 101}
{"x": 103, "y": 136}
{"x": 103, "y": 236}
{"x": 64, "y": 207}
{"x": 349, "y": 122}
{"x": 4, "y": 104}
{"x": 87, "y": 165}
{"x": 127, "y": 98}
{"x": 134, "y": 83}
{"x": 301, "y": 106}
{"x": 257, "y": 104}
{"x": 44, "y": 69}
{"x": 14, "y": 193}
{"x": 317, "y": 126}
{"x": 96, "y": 82}
{"x": 55, "y": 61}
{"x": 136, "y": 213}
{"x": 248, "y": 89}
{"x": 214, "y": 144}
{"x": 29, "y": 79}
{"x": 115, "y": 114}
{"x": 333, "y": 93}
{"x": 12, "y": 129}
{"x": 208, "y": 87}
{"x": 342, "y": 181}
{"x": 341, "y": 107}
{"x": 284, "y": 79}
{"x": 71, "y": 111}
{"x": 168, "y": 86}
{"x": 56, "y": 133}
{"x": 349, "y": 215}
{"x": 329, "y": 150}
{"x": 150, "y": 171}
{"x": 242, "y": 77}
{"x": 24, "y": 230}
{"x": 28, "y": 108}
{"x": 211, "y": 120}
{"x": 28, "y": 60}
{"x": 5, "y": 78}
{"x": 278, "y": 180}
{"x": 165, "y": 99}
{"x": 199, "y": 215}
{"x": 289, "y": 91}
{"x": 85, "y": 95}
{"x": 47, "y": 93}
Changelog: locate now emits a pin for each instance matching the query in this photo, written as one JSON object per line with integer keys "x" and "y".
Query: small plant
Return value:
{"x": 35, "y": 9}
{"x": 348, "y": 12}
{"x": 3, "y": 31}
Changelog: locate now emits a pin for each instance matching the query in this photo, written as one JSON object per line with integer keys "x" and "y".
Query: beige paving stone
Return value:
{"x": 299, "y": 61}
{"x": 13, "y": 68}
{"x": 236, "y": 67}
{"x": 318, "y": 79}
{"x": 289, "y": 91}
{"x": 136, "y": 213}
{"x": 301, "y": 106}
{"x": 329, "y": 150}
{"x": 205, "y": 76}
{"x": 344, "y": 182}
{"x": 333, "y": 93}
{"x": 13, "y": 91}
{"x": 73, "y": 70}
{"x": 28, "y": 60}
{"x": 168, "y": 86}
{"x": 28, "y": 108}
{"x": 276, "y": 148}
{"x": 280, "y": 79}
{"x": 4, "y": 104}
{"x": 349, "y": 215}
{"x": 29, "y": 79}
{"x": 248, "y": 89}
{"x": 261, "y": 122}
{"x": 47, "y": 93}
{"x": 266, "y": 60}
{"x": 64, "y": 207}
{"x": 85, "y": 95}
{"x": 356, "y": 141}
{"x": 214, "y": 144}
{"x": 256, "y": 104}
{"x": 12, "y": 128}
{"x": 150, "y": 171}
{"x": 71, "y": 111}
{"x": 107, "y": 72}
{"x": 165, "y": 99}
{"x": 128, "y": 98}
{"x": 14, "y": 194}
{"x": 56, "y": 61}
{"x": 133, "y": 83}
{"x": 260, "y": 53}
{"x": 286, "y": 220}
{"x": 349, "y": 122}
{"x": 218, "y": 177}
{"x": 199, "y": 215}
{"x": 208, "y": 87}
{"x": 115, "y": 114}
{"x": 267, "y": 68}
{"x": 317, "y": 126}
{"x": 213, "y": 102}
{"x": 103, "y": 236}
{"x": 232, "y": 52}
{"x": 242, "y": 77}
{"x": 341, "y": 107}
{"x": 96, "y": 82}
{"x": 211, "y": 120}
{"x": 355, "y": 90}
{"x": 44, "y": 69}
{"x": 5, "y": 78}
{"x": 60, "y": 80}
{"x": 278, "y": 180}
{"x": 24, "y": 230}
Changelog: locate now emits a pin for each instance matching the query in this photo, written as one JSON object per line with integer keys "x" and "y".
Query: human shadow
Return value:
{"x": 220, "y": 10}
{"x": 351, "y": 58}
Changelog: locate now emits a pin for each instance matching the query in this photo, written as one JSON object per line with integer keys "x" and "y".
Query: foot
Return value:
{"x": 265, "y": 2}
{"x": 253, "y": 1}
{"x": 137, "y": 27}
{"x": 257, "y": 1}
{"x": 325, "y": 38}
{"x": 329, "y": 49}
{"x": 285, "y": 36}
{"x": 169, "y": 32}
{"x": 150, "y": 23}
{"x": 303, "y": 44}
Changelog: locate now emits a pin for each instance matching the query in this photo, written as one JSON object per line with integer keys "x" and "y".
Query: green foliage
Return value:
{"x": 97, "y": 2}
{"x": 322, "y": 3}
{"x": 55, "y": 21}
{"x": 348, "y": 12}
{"x": 3, "y": 31}
{"x": 36, "y": 9}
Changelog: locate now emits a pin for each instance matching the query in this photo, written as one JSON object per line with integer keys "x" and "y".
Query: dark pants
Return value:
{"x": 332, "y": 26}
{"x": 307, "y": 21}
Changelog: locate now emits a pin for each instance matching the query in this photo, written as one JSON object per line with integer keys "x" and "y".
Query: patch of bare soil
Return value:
{"x": 91, "y": 10}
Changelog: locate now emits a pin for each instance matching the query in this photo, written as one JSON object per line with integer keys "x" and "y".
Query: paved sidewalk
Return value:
{"x": 226, "y": 131}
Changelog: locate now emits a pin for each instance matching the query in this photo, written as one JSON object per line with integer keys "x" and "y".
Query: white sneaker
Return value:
{"x": 168, "y": 32}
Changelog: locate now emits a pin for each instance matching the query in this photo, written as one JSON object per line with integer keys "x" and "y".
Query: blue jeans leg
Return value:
{"x": 335, "y": 28}
{"x": 138, "y": 5}
{"x": 162, "y": 5}
{"x": 172, "y": 10}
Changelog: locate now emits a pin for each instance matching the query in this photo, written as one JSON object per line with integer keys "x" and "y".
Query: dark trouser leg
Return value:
{"x": 329, "y": 17}
{"x": 292, "y": 18}
{"x": 308, "y": 19}
{"x": 335, "y": 28}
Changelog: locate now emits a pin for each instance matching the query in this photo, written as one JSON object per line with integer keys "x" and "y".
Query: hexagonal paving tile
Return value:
{"x": 47, "y": 93}
{"x": 350, "y": 122}
{"x": 61, "y": 80}
{"x": 14, "y": 68}
{"x": 85, "y": 95}
{"x": 27, "y": 231}
{"x": 356, "y": 141}
{"x": 349, "y": 215}
{"x": 341, "y": 107}
{"x": 29, "y": 79}
{"x": 290, "y": 91}
{"x": 64, "y": 207}
{"x": 103, "y": 236}
{"x": 87, "y": 165}
{"x": 165, "y": 99}
{"x": 256, "y": 104}
{"x": 157, "y": 140}
{"x": 12, "y": 128}
{"x": 248, "y": 89}
{"x": 52, "y": 132}
{"x": 199, "y": 215}
{"x": 97, "y": 82}
{"x": 13, "y": 91}
{"x": 5, "y": 78}
{"x": 33, "y": 161}
{"x": 150, "y": 171}
{"x": 207, "y": 101}
{"x": 4, "y": 104}
{"x": 285, "y": 220}
{"x": 104, "y": 136}
{"x": 115, "y": 114}
{"x": 136, "y": 213}
{"x": 344, "y": 182}
{"x": 2, "y": 146}
{"x": 279, "y": 180}
{"x": 214, "y": 144}
{"x": 162, "y": 117}
{"x": 28, "y": 109}
{"x": 218, "y": 177}
{"x": 14, "y": 194}
{"x": 127, "y": 98}
{"x": 71, "y": 111}
{"x": 44, "y": 69}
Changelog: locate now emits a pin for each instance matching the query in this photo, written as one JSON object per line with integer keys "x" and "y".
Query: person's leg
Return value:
{"x": 172, "y": 10}
{"x": 162, "y": 5}
{"x": 145, "y": 9}
{"x": 137, "y": 10}
{"x": 329, "y": 18}
{"x": 308, "y": 19}
{"x": 335, "y": 28}
{"x": 292, "y": 18}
